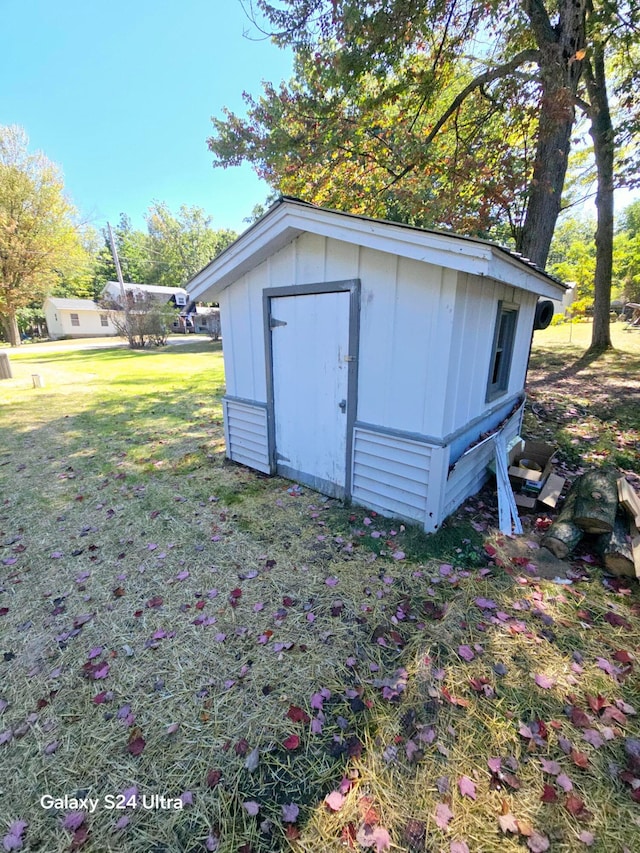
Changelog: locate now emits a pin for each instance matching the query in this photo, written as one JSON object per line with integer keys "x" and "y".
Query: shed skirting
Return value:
{"x": 471, "y": 471}
{"x": 246, "y": 433}
{"x": 397, "y": 476}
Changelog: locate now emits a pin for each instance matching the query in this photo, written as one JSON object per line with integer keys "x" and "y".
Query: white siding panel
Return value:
{"x": 342, "y": 260}
{"x": 282, "y": 267}
{"x": 471, "y": 472}
{"x": 470, "y": 356}
{"x": 390, "y": 474}
{"x": 311, "y": 252}
{"x": 246, "y": 434}
{"x": 378, "y": 275}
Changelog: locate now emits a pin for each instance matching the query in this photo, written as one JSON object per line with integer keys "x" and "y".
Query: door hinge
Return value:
{"x": 350, "y": 358}
{"x": 273, "y": 322}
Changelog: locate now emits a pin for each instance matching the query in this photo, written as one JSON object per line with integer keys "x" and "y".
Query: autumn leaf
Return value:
{"x": 537, "y": 842}
{"x": 292, "y": 742}
{"x": 508, "y": 823}
{"x": 544, "y": 681}
{"x": 443, "y": 815}
{"x": 575, "y": 805}
{"x": 136, "y": 742}
{"x": 549, "y": 794}
{"x": 290, "y": 812}
{"x": 376, "y": 837}
{"x": 252, "y": 808}
{"x": 213, "y": 778}
{"x": 467, "y": 787}
{"x": 14, "y": 838}
{"x": 334, "y": 801}
{"x": 580, "y": 759}
{"x": 297, "y": 715}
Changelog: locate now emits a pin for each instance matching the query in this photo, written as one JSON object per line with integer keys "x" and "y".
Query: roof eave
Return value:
{"x": 289, "y": 218}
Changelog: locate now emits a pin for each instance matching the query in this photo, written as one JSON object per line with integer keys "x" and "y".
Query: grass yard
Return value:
{"x": 247, "y": 667}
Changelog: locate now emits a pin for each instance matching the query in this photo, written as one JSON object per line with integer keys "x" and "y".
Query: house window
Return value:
{"x": 502, "y": 351}
{"x": 104, "y": 320}
{"x": 75, "y": 319}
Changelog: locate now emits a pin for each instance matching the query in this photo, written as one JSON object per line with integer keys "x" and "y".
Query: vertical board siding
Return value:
{"x": 470, "y": 472}
{"x": 245, "y": 427}
{"x": 391, "y": 474}
{"x": 470, "y": 356}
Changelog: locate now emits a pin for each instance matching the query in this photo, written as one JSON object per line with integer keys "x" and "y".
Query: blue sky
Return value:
{"x": 120, "y": 95}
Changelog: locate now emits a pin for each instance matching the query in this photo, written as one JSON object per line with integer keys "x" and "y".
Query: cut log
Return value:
{"x": 563, "y": 535}
{"x": 616, "y": 549}
{"x": 635, "y": 547}
{"x": 596, "y": 501}
{"x": 629, "y": 499}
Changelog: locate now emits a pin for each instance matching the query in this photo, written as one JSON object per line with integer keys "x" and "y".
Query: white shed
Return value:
{"x": 368, "y": 359}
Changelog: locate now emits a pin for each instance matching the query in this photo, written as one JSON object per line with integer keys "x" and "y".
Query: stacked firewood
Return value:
{"x": 603, "y": 505}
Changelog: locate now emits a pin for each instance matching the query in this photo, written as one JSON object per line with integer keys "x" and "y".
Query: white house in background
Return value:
{"x": 368, "y": 359}
{"x": 112, "y": 292}
{"x": 76, "y": 318}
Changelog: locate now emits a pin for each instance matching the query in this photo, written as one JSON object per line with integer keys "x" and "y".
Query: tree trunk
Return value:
{"x": 560, "y": 71}
{"x": 601, "y": 132}
{"x": 10, "y": 325}
{"x": 563, "y": 535}
{"x": 596, "y": 501}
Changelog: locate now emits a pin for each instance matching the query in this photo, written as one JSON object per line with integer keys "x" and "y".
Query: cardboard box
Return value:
{"x": 538, "y": 452}
{"x": 550, "y": 493}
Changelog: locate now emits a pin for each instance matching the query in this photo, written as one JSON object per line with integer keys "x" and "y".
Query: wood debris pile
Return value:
{"x": 604, "y": 505}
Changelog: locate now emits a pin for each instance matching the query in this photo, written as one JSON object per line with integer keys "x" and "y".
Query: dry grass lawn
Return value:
{"x": 245, "y": 666}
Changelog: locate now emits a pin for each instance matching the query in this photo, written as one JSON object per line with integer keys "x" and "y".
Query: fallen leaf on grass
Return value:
{"x": 549, "y": 794}
{"x": 565, "y": 783}
{"x": 14, "y": 838}
{"x": 73, "y": 820}
{"x": 466, "y": 653}
{"x": 537, "y": 842}
{"x": 297, "y": 715}
{"x": 443, "y": 815}
{"x": 575, "y": 806}
{"x": 580, "y": 759}
{"x": 587, "y": 837}
{"x": 213, "y": 778}
{"x": 467, "y": 787}
{"x": 334, "y": 801}
{"x": 459, "y": 847}
{"x": 252, "y": 808}
{"x": 136, "y": 743}
{"x": 290, "y": 812}
{"x": 414, "y": 833}
{"x": 376, "y": 837}
{"x": 292, "y": 742}
{"x": 508, "y": 823}
{"x": 544, "y": 681}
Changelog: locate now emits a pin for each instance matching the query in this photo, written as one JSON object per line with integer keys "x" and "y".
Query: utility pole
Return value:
{"x": 125, "y": 303}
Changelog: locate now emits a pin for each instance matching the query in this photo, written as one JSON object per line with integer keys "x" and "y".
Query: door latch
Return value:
{"x": 343, "y": 405}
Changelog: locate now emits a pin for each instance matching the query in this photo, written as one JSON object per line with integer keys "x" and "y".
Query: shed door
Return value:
{"x": 310, "y": 345}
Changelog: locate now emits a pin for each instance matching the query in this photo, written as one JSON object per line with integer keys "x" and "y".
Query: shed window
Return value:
{"x": 503, "y": 338}
{"x": 104, "y": 320}
{"x": 75, "y": 319}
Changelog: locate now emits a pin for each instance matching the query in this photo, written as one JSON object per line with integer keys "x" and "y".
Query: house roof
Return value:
{"x": 148, "y": 288}
{"x": 290, "y": 217}
{"x": 72, "y": 304}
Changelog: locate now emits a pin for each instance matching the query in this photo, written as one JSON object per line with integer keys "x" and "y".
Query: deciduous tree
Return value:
{"x": 38, "y": 234}
{"x": 181, "y": 244}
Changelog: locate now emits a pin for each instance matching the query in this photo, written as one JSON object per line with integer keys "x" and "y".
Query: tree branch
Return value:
{"x": 529, "y": 55}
